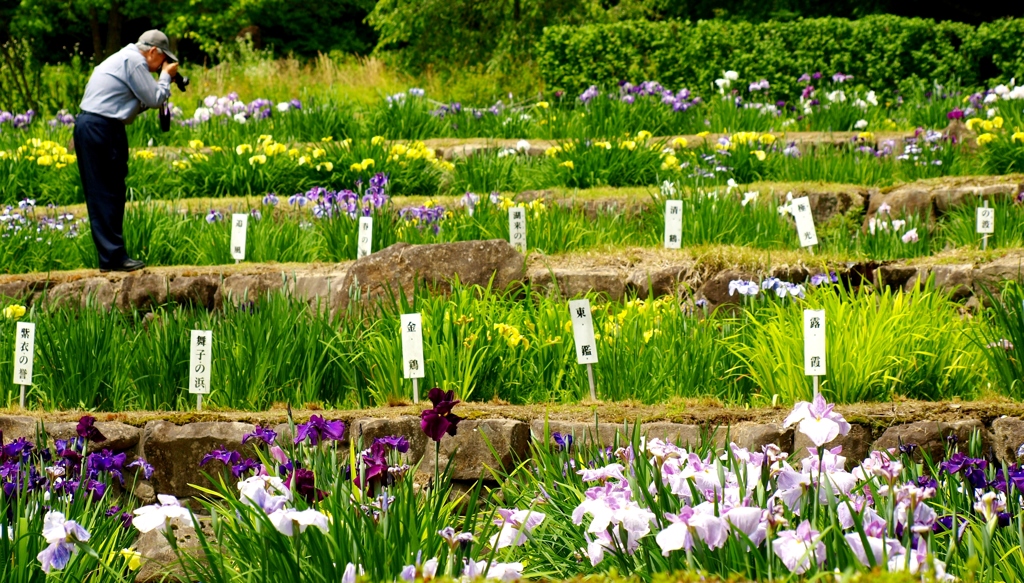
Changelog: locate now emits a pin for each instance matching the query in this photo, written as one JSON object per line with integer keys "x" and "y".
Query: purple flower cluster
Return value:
{"x": 19, "y": 120}
{"x": 17, "y": 222}
{"x": 62, "y": 118}
{"x": 66, "y": 468}
{"x": 424, "y": 216}
{"x": 229, "y": 106}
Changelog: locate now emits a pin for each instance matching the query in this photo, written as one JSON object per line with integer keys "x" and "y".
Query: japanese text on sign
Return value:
{"x": 801, "y": 209}
{"x": 673, "y": 224}
{"x": 412, "y": 346}
{"x": 200, "y": 361}
{"x": 24, "y": 352}
{"x": 239, "y": 226}
{"x": 986, "y": 220}
{"x": 365, "y": 237}
{"x": 583, "y": 331}
{"x": 517, "y": 228}
{"x": 814, "y": 342}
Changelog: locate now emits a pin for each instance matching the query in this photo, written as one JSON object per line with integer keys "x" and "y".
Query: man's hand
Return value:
{"x": 171, "y": 69}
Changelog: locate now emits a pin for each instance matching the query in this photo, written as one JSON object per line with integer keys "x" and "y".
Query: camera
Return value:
{"x": 181, "y": 82}
{"x": 165, "y": 110}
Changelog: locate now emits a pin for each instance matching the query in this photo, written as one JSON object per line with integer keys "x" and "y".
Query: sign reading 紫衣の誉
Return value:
{"x": 801, "y": 209}
{"x": 673, "y": 224}
{"x": 583, "y": 331}
{"x": 239, "y": 226}
{"x": 24, "y": 352}
{"x": 199, "y": 362}
{"x": 814, "y": 342}
{"x": 412, "y": 346}
{"x": 517, "y": 228}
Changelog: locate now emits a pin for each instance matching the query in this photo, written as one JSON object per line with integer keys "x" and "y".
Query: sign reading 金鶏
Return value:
{"x": 412, "y": 346}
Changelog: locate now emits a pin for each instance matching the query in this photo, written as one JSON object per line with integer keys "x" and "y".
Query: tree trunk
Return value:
{"x": 97, "y": 38}
{"x": 114, "y": 19}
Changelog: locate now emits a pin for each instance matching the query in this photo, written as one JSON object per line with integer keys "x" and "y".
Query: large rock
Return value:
{"x": 142, "y": 292}
{"x": 827, "y": 204}
{"x": 856, "y": 445}
{"x": 571, "y": 283}
{"x": 716, "y": 289}
{"x": 755, "y": 436}
{"x": 930, "y": 436}
{"x": 909, "y": 200}
{"x": 175, "y": 451}
{"x": 17, "y": 426}
{"x": 688, "y": 436}
{"x": 159, "y": 561}
{"x": 998, "y": 188}
{"x": 661, "y": 282}
{"x": 470, "y": 449}
{"x": 895, "y": 276}
{"x": 196, "y": 291}
{"x": 120, "y": 436}
{"x": 1008, "y": 437}
{"x": 317, "y": 290}
{"x": 398, "y": 268}
{"x": 366, "y": 430}
{"x": 601, "y": 434}
{"x": 240, "y": 289}
{"x": 989, "y": 275}
{"x": 94, "y": 292}
{"x": 956, "y": 280}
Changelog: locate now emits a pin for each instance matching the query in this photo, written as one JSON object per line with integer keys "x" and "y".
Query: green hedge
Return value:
{"x": 886, "y": 53}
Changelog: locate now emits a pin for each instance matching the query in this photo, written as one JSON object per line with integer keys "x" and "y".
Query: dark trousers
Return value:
{"x": 101, "y": 145}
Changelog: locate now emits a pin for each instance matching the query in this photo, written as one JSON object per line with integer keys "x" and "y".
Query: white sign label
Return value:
{"x": 239, "y": 224}
{"x": 24, "y": 352}
{"x": 517, "y": 228}
{"x": 814, "y": 342}
{"x": 801, "y": 208}
{"x": 986, "y": 220}
{"x": 199, "y": 361}
{"x": 583, "y": 331}
{"x": 365, "y": 237}
{"x": 673, "y": 224}
{"x": 412, "y": 346}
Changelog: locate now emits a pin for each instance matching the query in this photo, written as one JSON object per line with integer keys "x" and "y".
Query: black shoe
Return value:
{"x": 128, "y": 265}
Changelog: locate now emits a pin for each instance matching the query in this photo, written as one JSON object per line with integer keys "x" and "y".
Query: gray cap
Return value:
{"x": 155, "y": 38}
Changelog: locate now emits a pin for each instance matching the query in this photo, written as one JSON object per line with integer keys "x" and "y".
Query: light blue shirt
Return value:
{"x": 122, "y": 86}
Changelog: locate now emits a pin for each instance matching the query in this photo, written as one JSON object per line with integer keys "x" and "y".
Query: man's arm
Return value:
{"x": 151, "y": 93}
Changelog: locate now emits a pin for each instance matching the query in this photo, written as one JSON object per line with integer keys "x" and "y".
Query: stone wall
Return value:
{"x": 176, "y": 450}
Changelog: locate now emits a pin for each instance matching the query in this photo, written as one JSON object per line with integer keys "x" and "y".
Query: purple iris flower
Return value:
{"x": 296, "y": 103}
{"x": 93, "y": 488}
{"x": 271, "y": 199}
{"x": 298, "y": 199}
{"x": 244, "y": 466}
{"x": 319, "y": 429}
{"x": 20, "y": 447}
{"x": 398, "y": 443}
{"x": 956, "y": 113}
{"x": 62, "y": 535}
{"x": 214, "y": 216}
{"x": 108, "y": 462}
{"x": 264, "y": 434}
{"x": 564, "y": 441}
{"x": 379, "y": 180}
{"x": 816, "y": 75}
{"x": 224, "y": 455}
{"x": 588, "y": 95}
{"x": 807, "y": 92}
{"x": 439, "y": 419}
{"x": 820, "y": 278}
{"x": 147, "y": 469}
{"x": 805, "y": 78}
{"x": 375, "y": 462}
{"x": 87, "y": 430}
{"x": 115, "y": 509}
{"x": 303, "y": 483}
